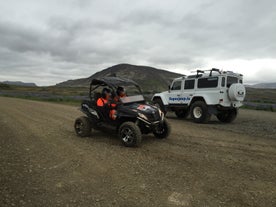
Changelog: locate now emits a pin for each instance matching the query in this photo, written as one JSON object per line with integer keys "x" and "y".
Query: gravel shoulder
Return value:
{"x": 43, "y": 162}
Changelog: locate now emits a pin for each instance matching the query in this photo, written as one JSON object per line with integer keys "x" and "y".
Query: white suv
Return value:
{"x": 208, "y": 92}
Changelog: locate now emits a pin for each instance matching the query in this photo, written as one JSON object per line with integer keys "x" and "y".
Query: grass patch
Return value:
{"x": 256, "y": 99}
{"x": 65, "y": 101}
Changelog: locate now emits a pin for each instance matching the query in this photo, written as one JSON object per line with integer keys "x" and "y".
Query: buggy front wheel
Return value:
{"x": 130, "y": 134}
{"x": 163, "y": 130}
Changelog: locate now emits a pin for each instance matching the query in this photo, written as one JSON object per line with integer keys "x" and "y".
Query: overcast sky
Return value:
{"x": 49, "y": 41}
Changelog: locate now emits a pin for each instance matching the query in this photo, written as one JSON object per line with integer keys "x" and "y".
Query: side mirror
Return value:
{"x": 169, "y": 88}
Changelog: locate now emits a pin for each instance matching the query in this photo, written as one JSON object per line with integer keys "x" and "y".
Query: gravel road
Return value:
{"x": 43, "y": 162}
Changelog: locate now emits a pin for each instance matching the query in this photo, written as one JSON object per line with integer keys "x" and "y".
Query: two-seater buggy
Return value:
{"x": 134, "y": 115}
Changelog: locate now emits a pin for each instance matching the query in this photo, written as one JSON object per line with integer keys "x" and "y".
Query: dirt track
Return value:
{"x": 43, "y": 162}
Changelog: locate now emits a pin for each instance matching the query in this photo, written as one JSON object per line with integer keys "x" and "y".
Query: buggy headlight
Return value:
{"x": 142, "y": 116}
{"x": 160, "y": 112}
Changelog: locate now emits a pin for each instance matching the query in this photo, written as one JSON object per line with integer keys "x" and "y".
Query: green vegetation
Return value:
{"x": 63, "y": 95}
{"x": 64, "y": 100}
{"x": 260, "y": 107}
{"x": 4, "y": 86}
{"x": 261, "y": 95}
{"x": 258, "y": 99}
{"x": 51, "y": 90}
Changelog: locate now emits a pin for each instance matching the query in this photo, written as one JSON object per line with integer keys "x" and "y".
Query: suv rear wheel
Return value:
{"x": 199, "y": 112}
{"x": 227, "y": 116}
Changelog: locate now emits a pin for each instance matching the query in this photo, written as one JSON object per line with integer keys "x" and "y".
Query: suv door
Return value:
{"x": 209, "y": 88}
{"x": 189, "y": 90}
{"x": 174, "y": 95}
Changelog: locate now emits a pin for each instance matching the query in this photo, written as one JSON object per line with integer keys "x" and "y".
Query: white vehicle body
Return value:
{"x": 219, "y": 90}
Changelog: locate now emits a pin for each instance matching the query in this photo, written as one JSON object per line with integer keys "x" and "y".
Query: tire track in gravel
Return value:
{"x": 43, "y": 163}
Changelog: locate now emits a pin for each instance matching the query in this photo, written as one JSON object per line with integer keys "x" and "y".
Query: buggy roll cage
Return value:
{"x": 111, "y": 82}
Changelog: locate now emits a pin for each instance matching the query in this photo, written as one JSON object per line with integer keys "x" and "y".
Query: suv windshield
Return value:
{"x": 176, "y": 85}
{"x": 231, "y": 80}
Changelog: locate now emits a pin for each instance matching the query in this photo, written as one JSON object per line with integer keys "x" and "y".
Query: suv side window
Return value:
{"x": 231, "y": 80}
{"x": 211, "y": 82}
{"x": 176, "y": 85}
{"x": 189, "y": 84}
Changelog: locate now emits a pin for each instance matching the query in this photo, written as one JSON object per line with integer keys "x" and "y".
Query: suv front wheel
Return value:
{"x": 199, "y": 112}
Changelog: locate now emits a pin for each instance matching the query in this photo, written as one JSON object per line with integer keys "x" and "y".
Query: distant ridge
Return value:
{"x": 19, "y": 83}
{"x": 263, "y": 85}
{"x": 150, "y": 79}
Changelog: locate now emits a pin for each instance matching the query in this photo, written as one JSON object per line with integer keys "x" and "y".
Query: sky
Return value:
{"x": 51, "y": 41}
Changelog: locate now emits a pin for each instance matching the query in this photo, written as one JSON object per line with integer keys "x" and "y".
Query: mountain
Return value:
{"x": 263, "y": 85}
{"x": 19, "y": 83}
{"x": 150, "y": 79}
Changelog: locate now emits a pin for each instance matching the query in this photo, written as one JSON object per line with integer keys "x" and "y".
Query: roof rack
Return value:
{"x": 214, "y": 70}
{"x": 199, "y": 73}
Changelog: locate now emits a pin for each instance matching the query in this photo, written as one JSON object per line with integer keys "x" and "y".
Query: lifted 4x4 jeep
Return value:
{"x": 214, "y": 92}
{"x": 134, "y": 116}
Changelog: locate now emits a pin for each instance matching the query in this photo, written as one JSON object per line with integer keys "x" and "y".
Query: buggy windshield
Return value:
{"x": 132, "y": 99}
{"x": 131, "y": 90}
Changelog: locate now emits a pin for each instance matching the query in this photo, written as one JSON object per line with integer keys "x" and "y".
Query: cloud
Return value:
{"x": 64, "y": 40}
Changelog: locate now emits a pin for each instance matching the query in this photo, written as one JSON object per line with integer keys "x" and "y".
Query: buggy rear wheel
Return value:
{"x": 163, "y": 130}
{"x": 82, "y": 126}
{"x": 130, "y": 134}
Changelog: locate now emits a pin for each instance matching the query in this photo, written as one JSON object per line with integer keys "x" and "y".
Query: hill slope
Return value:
{"x": 150, "y": 79}
{"x": 19, "y": 83}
